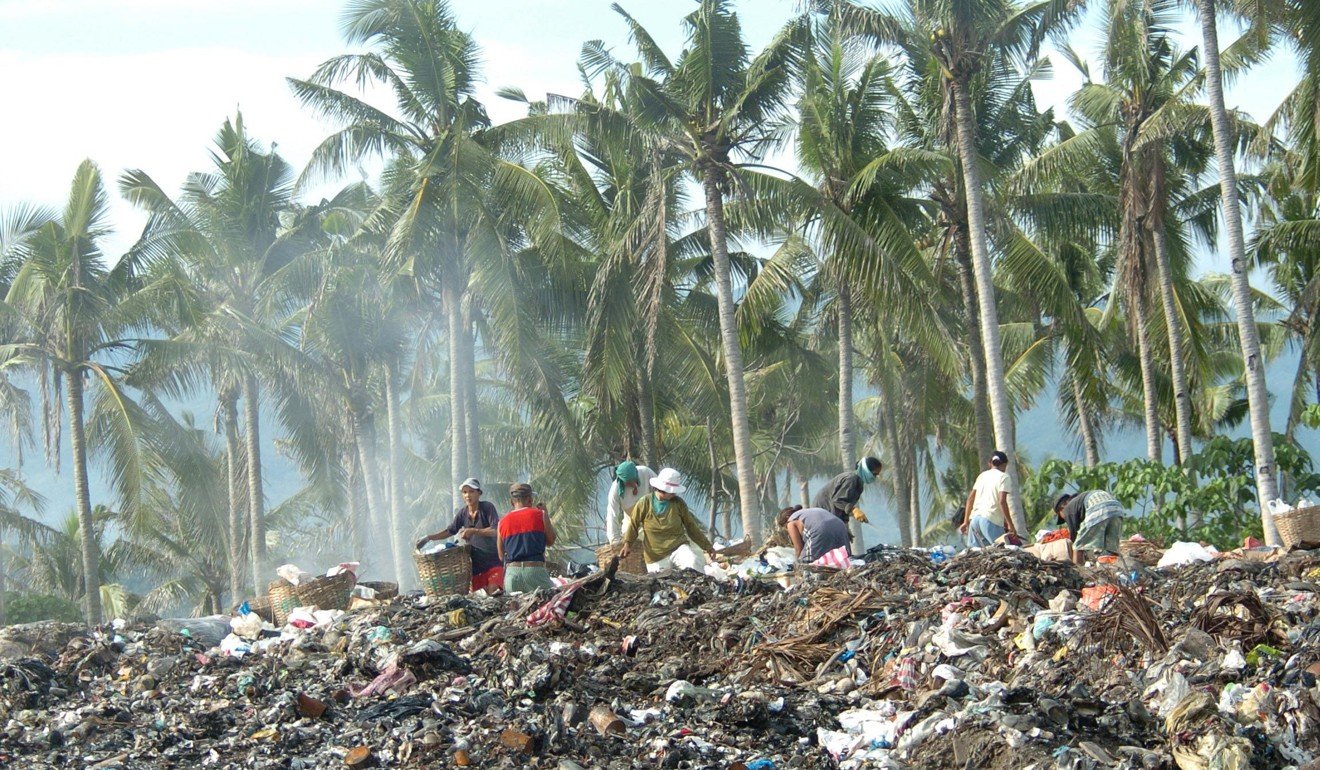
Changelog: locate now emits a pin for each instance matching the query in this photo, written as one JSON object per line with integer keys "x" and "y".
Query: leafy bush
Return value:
{"x": 29, "y": 608}
{"x": 1212, "y": 497}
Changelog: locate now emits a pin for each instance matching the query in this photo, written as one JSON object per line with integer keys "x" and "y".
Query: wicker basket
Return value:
{"x": 633, "y": 564}
{"x": 384, "y": 590}
{"x": 1144, "y": 551}
{"x": 739, "y": 550}
{"x": 1299, "y": 528}
{"x": 445, "y": 572}
{"x": 327, "y": 593}
{"x": 283, "y": 598}
{"x": 261, "y": 606}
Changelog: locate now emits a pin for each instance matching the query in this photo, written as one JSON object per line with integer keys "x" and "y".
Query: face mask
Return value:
{"x": 659, "y": 505}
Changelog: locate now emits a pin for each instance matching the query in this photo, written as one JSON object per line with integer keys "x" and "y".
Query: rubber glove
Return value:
{"x": 859, "y": 515}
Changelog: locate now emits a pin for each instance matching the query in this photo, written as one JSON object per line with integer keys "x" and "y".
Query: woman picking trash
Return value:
{"x": 476, "y": 521}
{"x": 664, "y": 522}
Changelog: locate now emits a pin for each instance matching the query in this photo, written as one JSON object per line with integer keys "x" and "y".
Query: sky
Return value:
{"x": 145, "y": 84}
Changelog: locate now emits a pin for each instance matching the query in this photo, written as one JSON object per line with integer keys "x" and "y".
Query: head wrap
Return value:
{"x": 864, "y": 473}
{"x": 657, "y": 504}
{"x": 625, "y": 473}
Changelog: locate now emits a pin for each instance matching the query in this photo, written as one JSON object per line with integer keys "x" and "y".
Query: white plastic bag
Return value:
{"x": 1181, "y": 553}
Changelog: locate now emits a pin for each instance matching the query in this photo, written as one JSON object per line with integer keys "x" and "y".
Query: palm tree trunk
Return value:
{"x": 715, "y": 482}
{"x": 1267, "y": 487}
{"x": 804, "y": 494}
{"x": 889, "y": 424}
{"x": 256, "y": 501}
{"x": 471, "y": 417}
{"x": 996, "y": 387}
{"x": 1182, "y": 400}
{"x": 234, "y": 498}
{"x": 352, "y": 482}
{"x": 91, "y": 556}
{"x": 458, "y": 451}
{"x": 396, "y": 472}
{"x": 914, "y": 501}
{"x": 646, "y": 409}
{"x": 748, "y": 498}
{"x": 366, "y": 447}
{"x": 1151, "y": 414}
{"x": 1089, "y": 443}
{"x": 847, "y": 440}
{"x": 985, "y": 442}
{"x": 1297, "y": 398}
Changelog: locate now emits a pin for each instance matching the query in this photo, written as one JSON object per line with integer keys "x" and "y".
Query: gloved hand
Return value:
{"x": 859, "y": 515}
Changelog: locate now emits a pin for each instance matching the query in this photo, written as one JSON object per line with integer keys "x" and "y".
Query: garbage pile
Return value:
{"x": 987, "y": 659}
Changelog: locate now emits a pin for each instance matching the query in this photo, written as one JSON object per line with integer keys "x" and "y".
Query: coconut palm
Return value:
{"x": 220, "y": 244}
{"x": 67, "y": 315}
{"x": 962, "y": 39}
{"x": 712, "y": 104}
{"x": 1267, "y": 487}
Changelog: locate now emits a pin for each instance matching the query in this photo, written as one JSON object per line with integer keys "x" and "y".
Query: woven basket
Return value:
{"x": 327, "y": 593}
{"x": 445, "y": 572}
{"x": 633, "y": 564}
{"x": 739, "y": 550}
{"x": 384, "y": 590}
{"x": 261, "y": 606}
{"x": 1144, "y": 551}
{"x": 283, "y": 598}
{"x": 1299, "y": 528}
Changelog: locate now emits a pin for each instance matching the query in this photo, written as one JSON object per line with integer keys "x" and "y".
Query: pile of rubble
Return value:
{"x": 989, "y": 659}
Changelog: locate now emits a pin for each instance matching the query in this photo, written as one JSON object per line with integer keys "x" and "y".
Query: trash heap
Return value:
{"x": 988, "y": 659}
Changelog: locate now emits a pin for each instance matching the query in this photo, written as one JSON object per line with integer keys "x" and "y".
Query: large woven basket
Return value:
{"x": 633, "y": 564}
{"x": 445, "y": 572}
{"x": 739, "y": 550}
{"x": 1299, "y": 528}
{"x": 283, "y": 598}
{"x": 327, "y": 593}
{"x": 1144, "y": 551}
{"x": 262, "y": 607}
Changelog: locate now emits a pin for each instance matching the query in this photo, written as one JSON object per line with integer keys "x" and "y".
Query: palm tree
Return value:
{"x": 65, "y": 315}
{"x": 220, "y": 244}
{"x": 962, "y": 38}
{"x": 430, "y": 67}
{"x": 712, "y": 104}
{"x": 1267, "y": 486}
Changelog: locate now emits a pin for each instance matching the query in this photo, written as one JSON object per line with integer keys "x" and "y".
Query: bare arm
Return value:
{"x": 795, "y": 534}
{"x": 967, "y": 511}
{"x": 549, "y": 528}
{"x": 1009, "y": 526}
{"x": 499, "y": 547}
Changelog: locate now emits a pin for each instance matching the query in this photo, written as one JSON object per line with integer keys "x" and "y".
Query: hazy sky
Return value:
{"x": 146, "y": 83}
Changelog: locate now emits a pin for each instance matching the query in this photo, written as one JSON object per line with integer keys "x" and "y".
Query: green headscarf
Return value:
{"x": 659, "y": 505}
{"x": 625, "y": 473}
{"x": 864, "y": 473}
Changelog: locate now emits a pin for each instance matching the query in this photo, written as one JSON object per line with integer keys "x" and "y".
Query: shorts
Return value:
{"x": 519, "y": 580}
{"x": 491, "y": 580}
{"x": 1101, "y": 536}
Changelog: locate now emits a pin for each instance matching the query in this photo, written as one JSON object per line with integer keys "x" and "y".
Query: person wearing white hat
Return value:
{"x": 476, "y": 521}
{"x": 664, "y": 522}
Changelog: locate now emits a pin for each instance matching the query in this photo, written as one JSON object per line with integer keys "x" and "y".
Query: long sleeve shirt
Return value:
{"x": 841, "y": 495}
{"x": 663, "y": 533}
{"x": 619, "y": 505}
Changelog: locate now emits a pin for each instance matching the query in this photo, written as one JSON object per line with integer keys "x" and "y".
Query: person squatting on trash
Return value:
{"x": 844, "y": 491}
{"x": 524, "y": 534}
{"x": 985, "y": 516}
{"x": 631, "y": 483}
{"x": 475, "y": 521}
{"x": 814, "y": 532}
{"x": 664, "y": 523}
{"x": 1094, "y": 520}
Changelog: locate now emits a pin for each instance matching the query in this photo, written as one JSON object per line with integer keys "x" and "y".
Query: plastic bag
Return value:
{"x": 247, "y": 626}
{"x": 1181, "y": 553}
